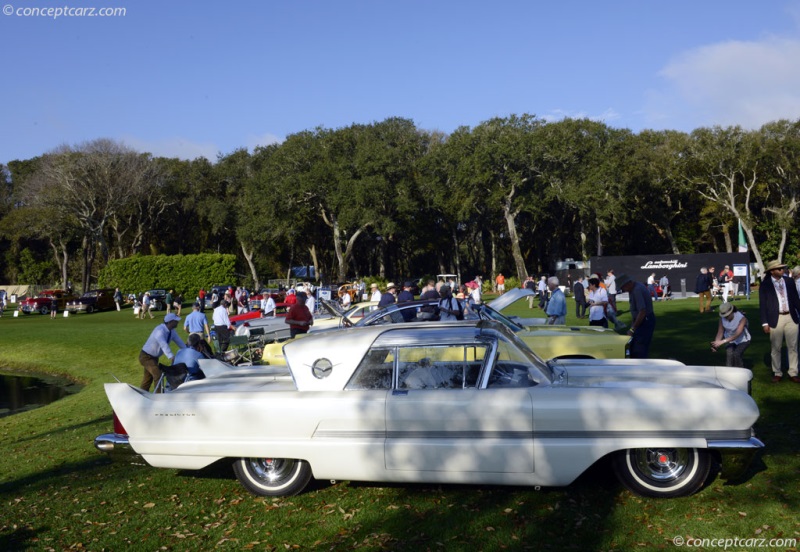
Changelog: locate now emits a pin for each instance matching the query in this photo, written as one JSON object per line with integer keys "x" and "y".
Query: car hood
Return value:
{"x": 544, "y": 329}
{"x": 638, "y": 373}
{"x": 509, "y": 297}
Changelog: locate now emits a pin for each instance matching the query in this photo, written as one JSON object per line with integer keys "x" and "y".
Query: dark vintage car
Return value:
{"x": 158, "y": 298}
{"x": 46, "y": 301}
{"x": 93, "y": 300}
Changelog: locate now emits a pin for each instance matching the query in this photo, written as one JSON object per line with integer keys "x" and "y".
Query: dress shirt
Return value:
{"x": 195, "y": 322}
{"x": 158, "y": 342}
{"x": 220, "y": 317}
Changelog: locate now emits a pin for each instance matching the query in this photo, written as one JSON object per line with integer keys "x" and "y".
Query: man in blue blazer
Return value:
{"x": 780, "y": 314}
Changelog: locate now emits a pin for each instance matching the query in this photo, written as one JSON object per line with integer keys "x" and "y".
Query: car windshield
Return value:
{"x": 514, "y": 346}
{"x": 488, "y": 313}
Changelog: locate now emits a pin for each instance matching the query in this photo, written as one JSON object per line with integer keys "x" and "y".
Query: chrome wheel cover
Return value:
{"x": 272, "y": 471}
{"x": 661, "y": 465}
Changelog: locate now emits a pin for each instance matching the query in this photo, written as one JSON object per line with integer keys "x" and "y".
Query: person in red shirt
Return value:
{"x": 291, "y": 298}
{"x": 299, "y": 317}
{"x": 501, "y": 283}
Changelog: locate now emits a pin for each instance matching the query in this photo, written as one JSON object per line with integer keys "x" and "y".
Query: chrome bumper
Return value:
{"x": 736, "y": 455}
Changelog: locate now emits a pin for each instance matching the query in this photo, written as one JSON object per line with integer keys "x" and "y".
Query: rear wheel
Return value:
{"x": 44, "y": 310}
{"x": 663, "y": 472}
{"x": 272, "y": 476}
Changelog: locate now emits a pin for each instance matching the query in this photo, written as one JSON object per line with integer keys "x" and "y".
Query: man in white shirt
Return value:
{"x": 156, "y": 345}
{"x": 611, "y": 288}
{"x": 222, "y": 325}
{"x": 267, "y": 305}
{"x": 376, "y": 293}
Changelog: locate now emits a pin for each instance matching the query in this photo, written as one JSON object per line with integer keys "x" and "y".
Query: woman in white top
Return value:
{"x": 732, "y": 331}
{"x": 598, "y": 299}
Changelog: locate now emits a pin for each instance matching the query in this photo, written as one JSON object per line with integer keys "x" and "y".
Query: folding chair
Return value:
{"x": 240, "y": 349}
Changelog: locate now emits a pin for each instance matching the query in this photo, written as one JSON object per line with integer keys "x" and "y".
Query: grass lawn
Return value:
{"x": 57, "y": 492}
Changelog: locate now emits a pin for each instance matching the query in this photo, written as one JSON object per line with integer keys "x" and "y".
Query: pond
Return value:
{"x": 21, "y": 392}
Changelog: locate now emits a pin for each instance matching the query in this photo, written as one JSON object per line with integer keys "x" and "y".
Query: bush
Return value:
{"x": 186, "y": 274}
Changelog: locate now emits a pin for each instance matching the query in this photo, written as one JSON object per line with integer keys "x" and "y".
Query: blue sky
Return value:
{"x": 188, "y": 79}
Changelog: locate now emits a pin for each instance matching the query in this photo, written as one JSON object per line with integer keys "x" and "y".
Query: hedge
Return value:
{"x": 186, "y": 274}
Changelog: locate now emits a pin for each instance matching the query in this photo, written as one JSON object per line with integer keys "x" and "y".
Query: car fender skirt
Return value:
{"x": 736, "y": 456}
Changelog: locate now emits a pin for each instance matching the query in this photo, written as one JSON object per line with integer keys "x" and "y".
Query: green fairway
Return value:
{"x": 59, "y": 493}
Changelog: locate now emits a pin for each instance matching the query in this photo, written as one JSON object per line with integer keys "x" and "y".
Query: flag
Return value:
{"x": 742, "y": 241}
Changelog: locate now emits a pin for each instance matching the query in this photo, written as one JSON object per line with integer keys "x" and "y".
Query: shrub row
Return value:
{"x": 186, "y": 274}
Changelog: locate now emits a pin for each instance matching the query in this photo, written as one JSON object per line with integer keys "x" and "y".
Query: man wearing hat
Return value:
{"x": 388, "y": 298}
{"x": 156, "y": 344}
{"x": 376, "y": 293}
{"x": 780, "y": 304}
{"x": 644, "y": 321}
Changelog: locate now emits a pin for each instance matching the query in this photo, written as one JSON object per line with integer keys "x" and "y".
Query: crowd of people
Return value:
{"x": 595, "y": 298}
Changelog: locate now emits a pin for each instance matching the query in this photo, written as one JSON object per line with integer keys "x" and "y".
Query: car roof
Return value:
{"x": 344, "y": 349}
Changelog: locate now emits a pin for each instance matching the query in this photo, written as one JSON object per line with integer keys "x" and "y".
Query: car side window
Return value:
{"x": 445, "y": 367}
{"x": 374, "y": 372}
{"x": 510, "y": 369}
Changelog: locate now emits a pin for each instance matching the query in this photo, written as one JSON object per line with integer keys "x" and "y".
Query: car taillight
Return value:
{"x": 118, "y": 429}
{"x": 246, "y": 324}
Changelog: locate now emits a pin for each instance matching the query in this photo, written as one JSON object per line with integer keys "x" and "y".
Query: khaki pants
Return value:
{"x": 151, "y": 370}
{"x": 705, "y": 301}
{"x": 786, "y": 329}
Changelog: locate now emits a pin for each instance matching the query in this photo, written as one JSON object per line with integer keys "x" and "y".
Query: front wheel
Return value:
{"x": 44, "y": 310}
{"x": 663, "y": 472}
{"x": 272, "y": 476}
{"x": 89, "y": 309}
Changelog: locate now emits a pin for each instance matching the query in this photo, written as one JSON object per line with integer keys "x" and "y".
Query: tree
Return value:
{"x": 724, "y": 168}
{"x": 781, "y": 152}
{"x": 505, "y": 164}
{"x": 91, "y": 185}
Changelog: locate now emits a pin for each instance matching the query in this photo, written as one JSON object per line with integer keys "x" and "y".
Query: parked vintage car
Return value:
{"x": 274, "y": 329}
{"x": 547, "y": 341}
{"x": 93, "y": 300}
{"x": 46, "y": 301}
{"x": 464, "y": 402}
{"x": 158, "y": 297}
{"x": 278, "y": 295}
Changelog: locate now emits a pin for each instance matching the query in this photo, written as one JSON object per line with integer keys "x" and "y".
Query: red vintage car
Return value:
{"x": 278, "y": 295}
{"x": 46, "y": 301}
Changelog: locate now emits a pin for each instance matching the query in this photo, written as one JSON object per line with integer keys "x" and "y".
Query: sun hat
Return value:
{"x": 725, "y": 309}
{"x": 772, "y": 265}
{"x": 623, "y": 280}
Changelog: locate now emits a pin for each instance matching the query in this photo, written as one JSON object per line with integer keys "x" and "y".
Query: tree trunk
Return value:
{"x": 62, "y": 260}
{"x": 599, "y": 242}
{"x": 511, "y": 222}
{"x": 248, "y": 256}
{"x": 783, "y": 243}
{"x": 494, "y": 259}
{"x": 312, "y": 250}
{"x": 584, "y": 239}
{"x": 754, "y": 247}
{"x": 726, "y": 232}
{"x": 456, "y": 256}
